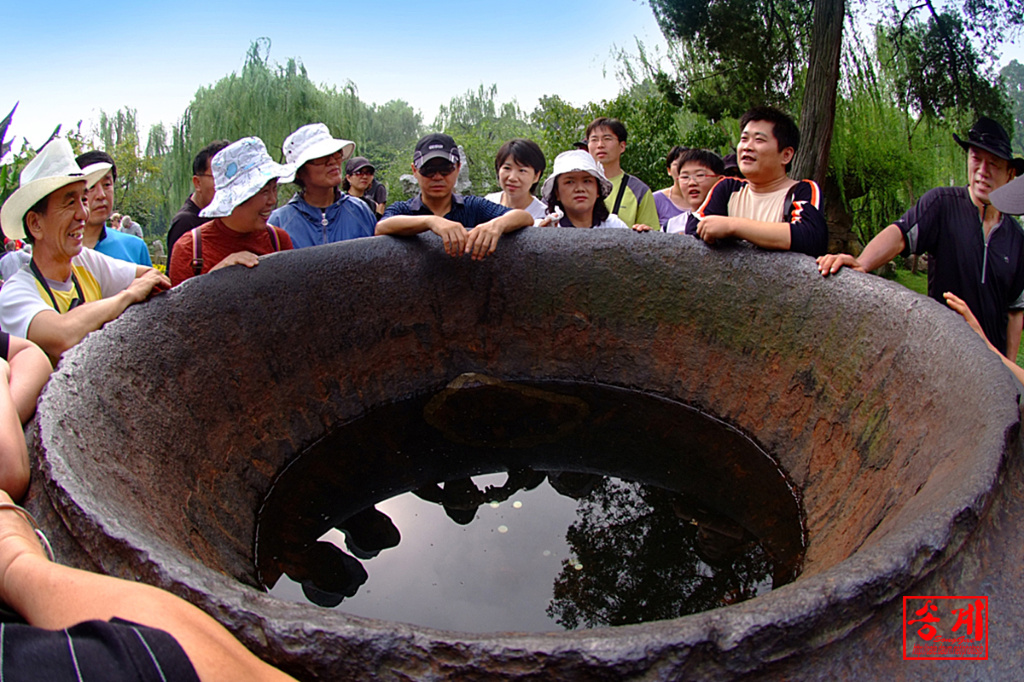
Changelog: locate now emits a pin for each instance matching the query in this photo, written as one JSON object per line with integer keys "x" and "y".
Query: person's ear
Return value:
{"x": 787, "y": 155}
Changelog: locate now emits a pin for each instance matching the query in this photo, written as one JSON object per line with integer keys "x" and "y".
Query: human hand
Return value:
{"x": 958, "y": 304}
{"x": 640, "y": 227}
{"x": 714, "y": 227}
{"x": 148, "y": 283}
{"x": 482, "y": 240}
{"x": 246, "y": 258}
{"x": 453, "y": 235}
{"x": 830, "y": 264}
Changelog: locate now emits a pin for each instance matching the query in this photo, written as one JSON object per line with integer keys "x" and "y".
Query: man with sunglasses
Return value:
{"x": 66, "y": 291}
{"x": 466, "y": 224}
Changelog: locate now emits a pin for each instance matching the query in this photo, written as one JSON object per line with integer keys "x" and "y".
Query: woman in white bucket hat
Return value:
{"x": 576, "y": 189}
{"x": 320, "y": 213}
{"x": 245, "y": 179}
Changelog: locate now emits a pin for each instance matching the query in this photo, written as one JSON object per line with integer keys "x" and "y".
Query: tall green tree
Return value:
{"x": 480, "y": 124}
{"x": 1012, "y": 76}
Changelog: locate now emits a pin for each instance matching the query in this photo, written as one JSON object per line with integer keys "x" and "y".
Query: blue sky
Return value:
{"x": 66, "y": 62}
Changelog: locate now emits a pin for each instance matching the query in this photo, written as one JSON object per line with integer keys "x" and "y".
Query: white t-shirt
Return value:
{"x": 677, "y": 223}
{"x": 612, "y": 221}
{"x": 23, "y": 297}
{"x": 536, "y": 208}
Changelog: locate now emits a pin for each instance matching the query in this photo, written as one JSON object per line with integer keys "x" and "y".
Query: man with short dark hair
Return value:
{"x": 187, "y": 217}
{"x": 975, "y": 252}
{"x": 67, "y": 290}
{"x": 630, "y": 199}
{"x": 767, "y": 208}
{"x": 466, "y": 224}
{"x": 98, "y": 235}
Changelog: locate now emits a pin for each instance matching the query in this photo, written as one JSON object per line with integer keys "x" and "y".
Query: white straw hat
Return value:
{"x": 54, "y": 167}
{"x": 576, "y": 160}
{"x": 314, "y": 141}
{"x": 240, "y": 170}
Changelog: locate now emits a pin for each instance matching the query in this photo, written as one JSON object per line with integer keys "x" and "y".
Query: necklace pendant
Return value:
{"x": 324, "y": 222}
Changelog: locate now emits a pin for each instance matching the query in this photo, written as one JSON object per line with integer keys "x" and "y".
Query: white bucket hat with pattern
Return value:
{"x": 54, "y": 167}
{"x": 314, "y": 141}
{"x": 240, "y": 170}
{"x": 576, "y": 160}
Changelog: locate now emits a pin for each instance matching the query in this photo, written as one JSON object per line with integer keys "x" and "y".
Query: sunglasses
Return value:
{"x": 363, "y": 171}
{"x": 434, "y": 171}
{"x": 324, "y": 160}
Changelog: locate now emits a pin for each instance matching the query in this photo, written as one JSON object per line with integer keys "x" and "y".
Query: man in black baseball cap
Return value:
{"x": 467, "y": 224}
{"x": 975, "y": 251}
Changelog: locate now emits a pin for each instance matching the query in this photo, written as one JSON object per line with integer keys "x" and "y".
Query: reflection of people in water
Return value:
{"x": 461, "y": 497}
{"x": 369, "y": 531}
{"x": 573, "y": 484}
{"x": 719, "y": 540}
{"x": 327, "y": 574}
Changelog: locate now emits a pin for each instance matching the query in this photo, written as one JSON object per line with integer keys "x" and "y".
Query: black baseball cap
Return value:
{"x": 356, "y": 163}
{"x": 435, "y": 146}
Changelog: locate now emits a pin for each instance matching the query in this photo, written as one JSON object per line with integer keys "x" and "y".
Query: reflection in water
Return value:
{"x": 609, "y": 508}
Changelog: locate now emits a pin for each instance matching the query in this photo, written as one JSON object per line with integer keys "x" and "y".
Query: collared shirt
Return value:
{"x": 123, "y": 246}
{"x": 468, "y": 210}
{"x": 987, "y": 274}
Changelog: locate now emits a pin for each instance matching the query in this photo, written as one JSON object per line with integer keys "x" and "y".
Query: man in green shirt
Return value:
{"x": 630, "y": 198}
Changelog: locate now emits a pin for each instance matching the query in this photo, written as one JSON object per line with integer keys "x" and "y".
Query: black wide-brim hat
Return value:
{"x": 988, "y": 135}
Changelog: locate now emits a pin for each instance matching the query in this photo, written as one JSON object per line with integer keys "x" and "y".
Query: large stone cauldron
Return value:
{"x": 159, "y": 437}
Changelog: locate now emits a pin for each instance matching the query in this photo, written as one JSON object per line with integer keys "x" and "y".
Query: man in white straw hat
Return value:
{"x": 67, "y": 290}
{"x": 246, "y": 179}
{"x": 319, "y": 213}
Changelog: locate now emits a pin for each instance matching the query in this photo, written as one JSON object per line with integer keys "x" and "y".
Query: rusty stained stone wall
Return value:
{"x": 196, "y": 399}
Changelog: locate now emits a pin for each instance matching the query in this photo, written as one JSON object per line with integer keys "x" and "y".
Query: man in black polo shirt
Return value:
{"x": 976, "y": 252}
{"x": 466, "y": 224}
{"x": 202, "y": 182}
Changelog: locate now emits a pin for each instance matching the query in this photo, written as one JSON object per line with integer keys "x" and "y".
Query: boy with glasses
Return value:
{"x": 466, "y": 224}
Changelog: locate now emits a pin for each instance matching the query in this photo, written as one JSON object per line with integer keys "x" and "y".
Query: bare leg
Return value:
{"x": 52, "y": 596}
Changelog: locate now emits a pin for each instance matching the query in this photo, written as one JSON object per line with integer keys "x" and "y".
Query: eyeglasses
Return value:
{"x": 363, "y": 171}
{"x": 434, "y": 171}
{"x": 699, "y": 176}
{"x": 324, "y": 160}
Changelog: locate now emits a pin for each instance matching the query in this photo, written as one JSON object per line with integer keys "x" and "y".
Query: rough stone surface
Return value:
{"x": 159, "y": 436}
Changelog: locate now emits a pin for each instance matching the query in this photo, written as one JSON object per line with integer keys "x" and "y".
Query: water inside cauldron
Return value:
{"x": 506, "y": 506}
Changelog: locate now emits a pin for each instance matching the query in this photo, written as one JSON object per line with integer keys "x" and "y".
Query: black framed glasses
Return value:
{"x": 434, "y": 171}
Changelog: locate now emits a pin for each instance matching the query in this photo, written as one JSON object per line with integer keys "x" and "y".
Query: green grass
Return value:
{"x": 919, "y": 283}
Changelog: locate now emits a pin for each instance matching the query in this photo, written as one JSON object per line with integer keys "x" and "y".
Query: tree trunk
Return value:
{"x": 818, "y": 112}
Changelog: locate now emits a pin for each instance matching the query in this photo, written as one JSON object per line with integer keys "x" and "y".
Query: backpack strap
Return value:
{"x": 274, "y": 239}
{"x": 622, "y": 193}
{"x": 197, "y": 251}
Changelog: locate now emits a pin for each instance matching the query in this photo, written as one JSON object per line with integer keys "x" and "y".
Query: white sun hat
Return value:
{"x": 314, "y": 141}
{"x": 576, "y": 160}
{"x": 54, "y": 167}
{"x": 240, "y": 170}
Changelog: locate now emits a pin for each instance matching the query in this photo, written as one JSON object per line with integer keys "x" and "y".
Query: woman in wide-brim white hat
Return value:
{"x": 54, "y": 167}
{"x": 576, "y": 189}
{"x": 320, "y": 213}
{"x": 245, "y": 181}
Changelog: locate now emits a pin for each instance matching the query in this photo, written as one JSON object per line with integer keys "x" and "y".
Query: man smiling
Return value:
{"x": 767, "y": 208}
{"x": 100, "y": 202}
{"x": 976, "y": 252}
{"x": 466, "y": 224}
{"x": 66, "y": 291}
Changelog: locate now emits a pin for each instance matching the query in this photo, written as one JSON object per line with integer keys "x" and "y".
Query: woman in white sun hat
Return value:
{"x": 320, "y": 213}
{"x": 575, "y": 193}
{"x": 245, "y": 179}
